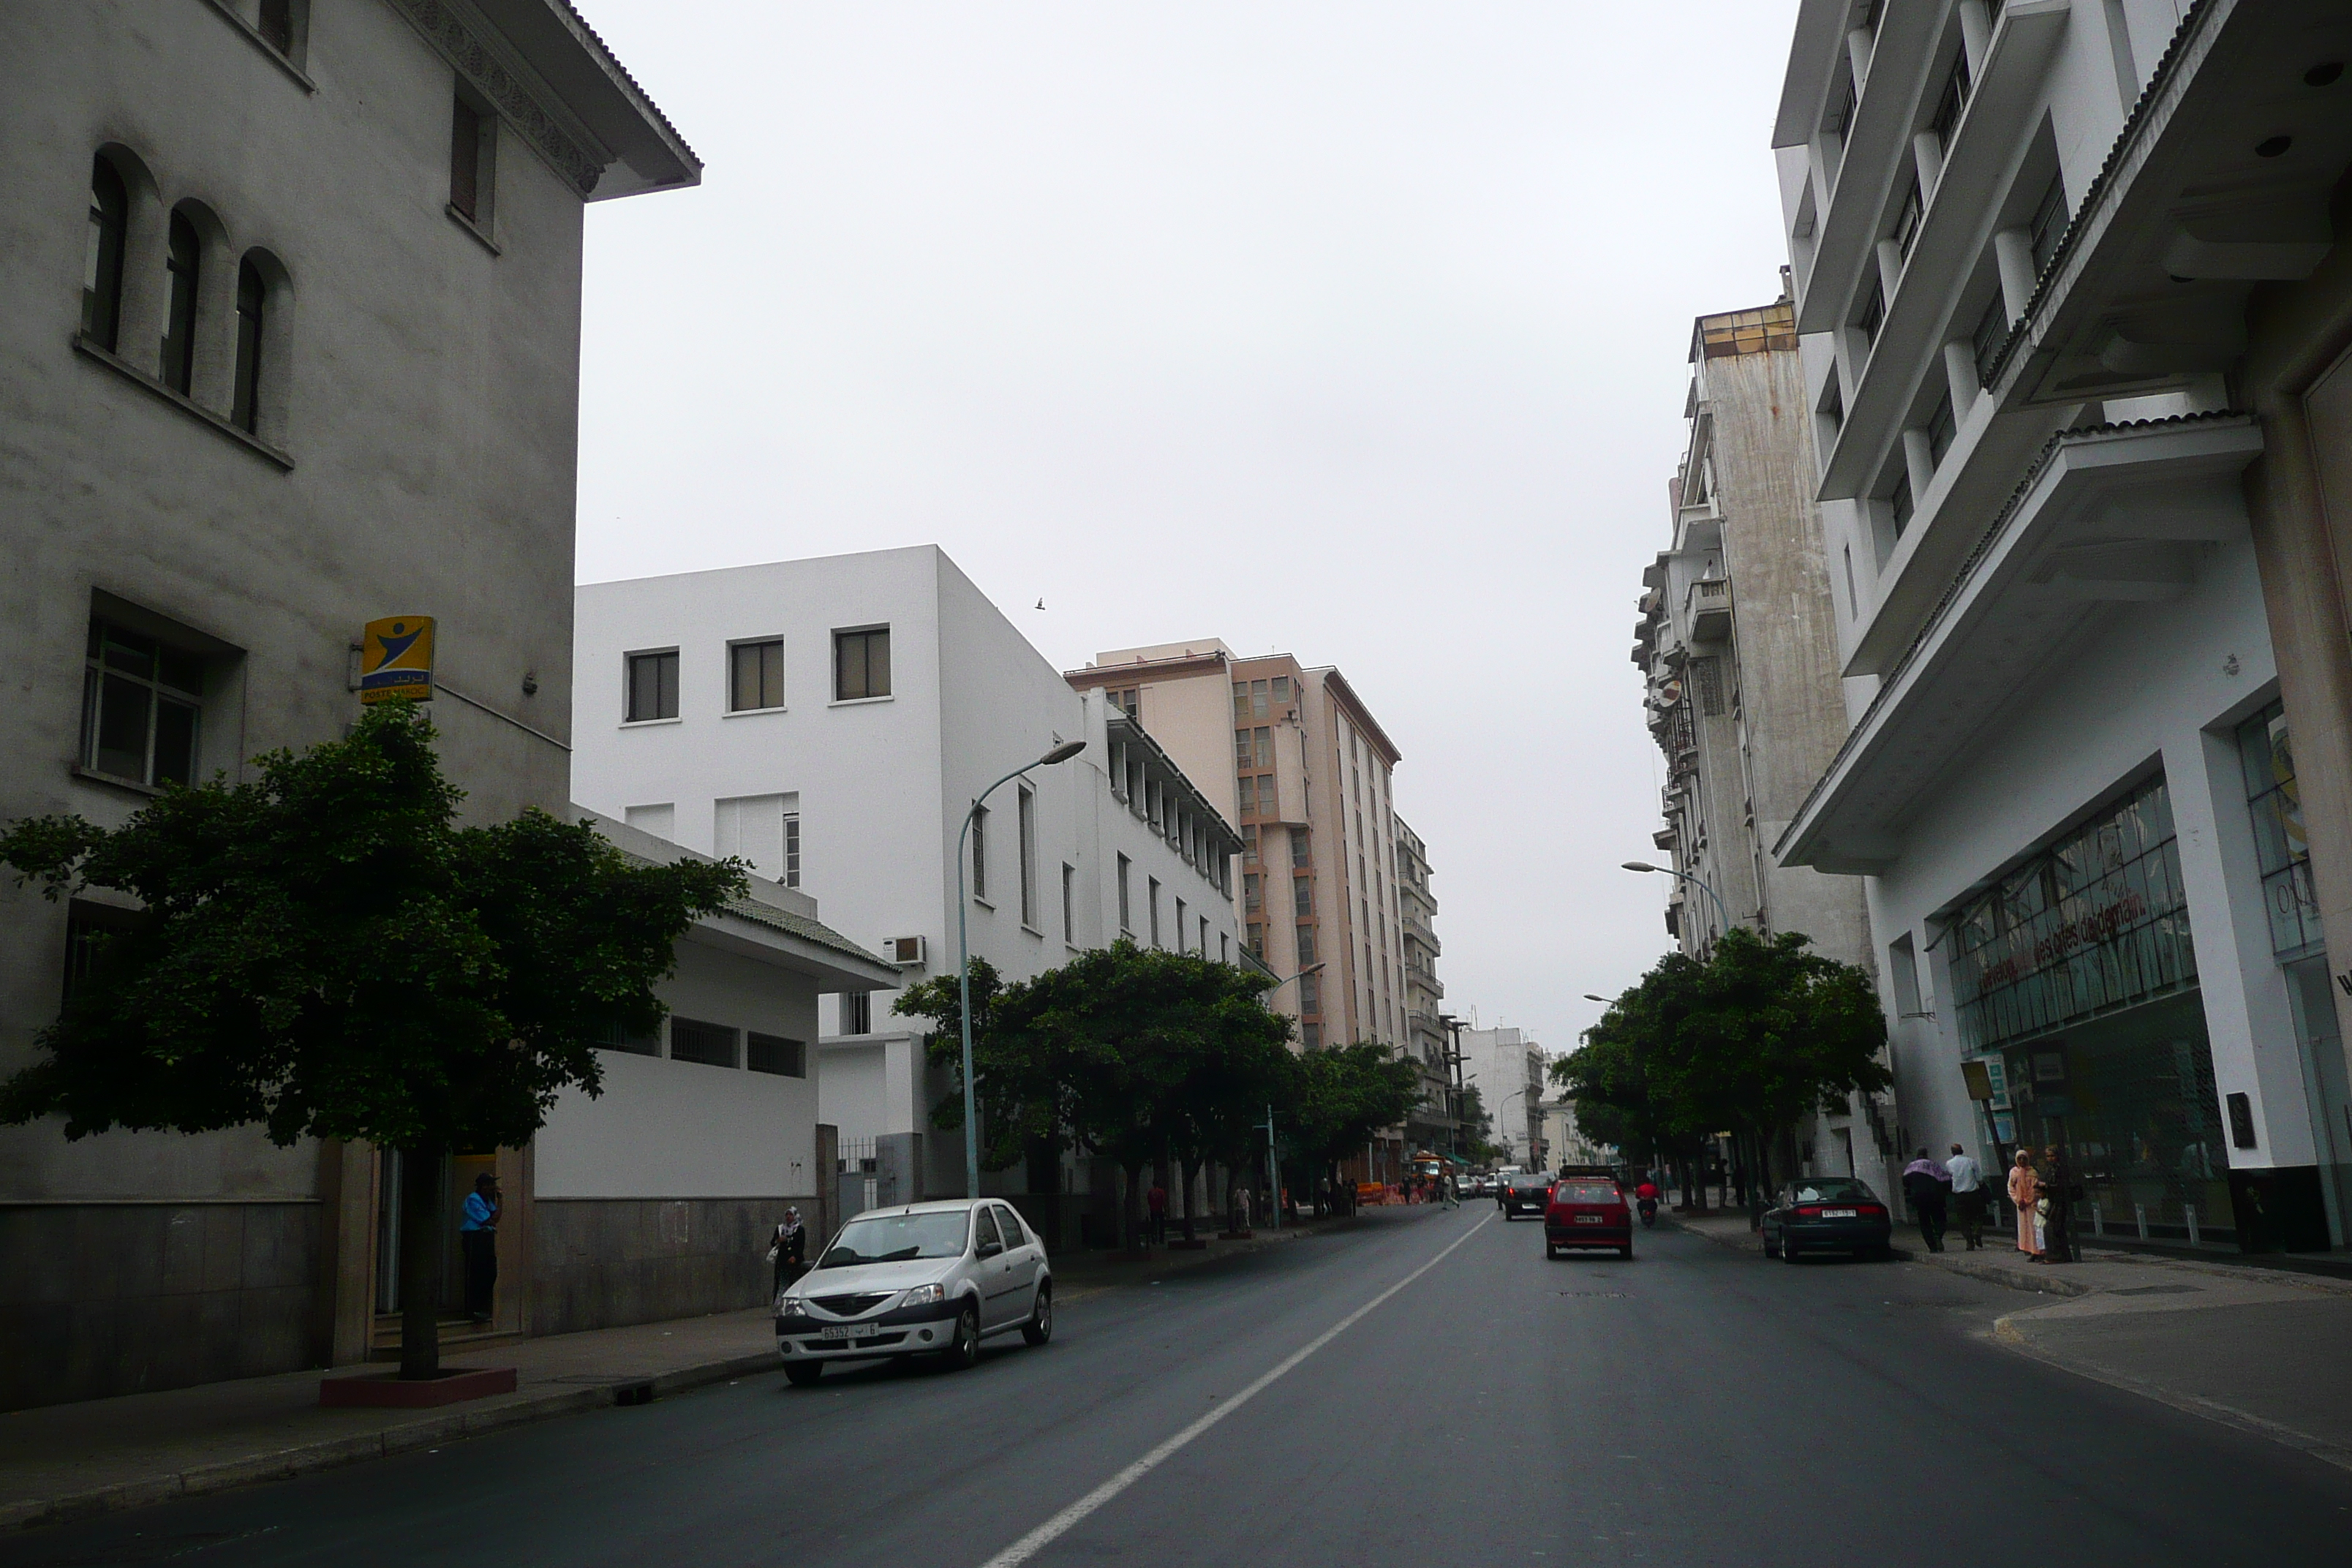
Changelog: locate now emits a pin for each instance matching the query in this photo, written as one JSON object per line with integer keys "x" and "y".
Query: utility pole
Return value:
{"x": 1273, "y": 1170}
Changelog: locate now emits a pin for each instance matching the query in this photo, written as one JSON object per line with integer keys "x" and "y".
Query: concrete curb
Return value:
{"x": 2047, "y": 1284}
{"x": 334, "y": 1453}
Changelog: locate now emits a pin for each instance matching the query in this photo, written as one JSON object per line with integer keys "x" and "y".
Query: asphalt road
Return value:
{"x": 1480, "y": 1405}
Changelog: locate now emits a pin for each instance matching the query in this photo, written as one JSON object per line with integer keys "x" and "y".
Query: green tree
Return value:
{"x": 1343, "y": 1096}
{"x": 325, "y": 953}
{"x": 1748, "y": 1040}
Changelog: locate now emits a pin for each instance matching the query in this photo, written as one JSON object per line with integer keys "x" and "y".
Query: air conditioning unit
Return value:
{"x": 907, "y": 952}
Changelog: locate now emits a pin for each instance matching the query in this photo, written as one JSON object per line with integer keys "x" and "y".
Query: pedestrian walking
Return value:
{"x": 477, "y": 1237}
{"x": 1968, "y": 1196}
{"x": 1923, "y": 1186}
{"x": 1453, "y": 1193}
{"x": 788, "y": 1250}
{"x": 2025, "y": 1193}
{"x": 1155, "y": 1201}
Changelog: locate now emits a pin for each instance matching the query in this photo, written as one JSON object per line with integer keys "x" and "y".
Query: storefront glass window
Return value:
{"x": 2285, "y": 858}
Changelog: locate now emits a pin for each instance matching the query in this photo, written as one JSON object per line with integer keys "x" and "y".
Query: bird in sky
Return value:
{"x": 1041, "y": 603}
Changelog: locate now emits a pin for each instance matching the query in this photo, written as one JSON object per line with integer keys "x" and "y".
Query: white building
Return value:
{"x": 1507, "y": 1068}
{"x": 291, "y": 340}
{"x": 2067, "y": 781}
{"x": 830, "y": 721}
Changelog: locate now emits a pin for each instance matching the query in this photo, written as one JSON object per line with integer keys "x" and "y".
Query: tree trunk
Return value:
{"x": 420, "y": 1263}
{"x": 1127, "y": 1216}
{"x": 1191, "y": 1172}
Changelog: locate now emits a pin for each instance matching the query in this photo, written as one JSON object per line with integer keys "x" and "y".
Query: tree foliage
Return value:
{"x": 324, "y": 953}
{"x": 1347, "y": 1094}
{"x": 1747, "y": 1040}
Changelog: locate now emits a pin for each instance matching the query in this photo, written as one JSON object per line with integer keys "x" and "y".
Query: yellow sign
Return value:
{"x": 396, "y": 659}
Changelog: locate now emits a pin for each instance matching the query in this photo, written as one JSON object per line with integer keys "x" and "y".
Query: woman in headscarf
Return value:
{"x": 788, "y": 1250}
{"x": 2025, "y": 1193}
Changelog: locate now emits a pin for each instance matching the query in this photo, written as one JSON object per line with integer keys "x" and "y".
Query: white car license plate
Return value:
{"x": 847, "y": 1331}
{"x": 1587, "y": 1219}
{"x": 1837, "y": 1213}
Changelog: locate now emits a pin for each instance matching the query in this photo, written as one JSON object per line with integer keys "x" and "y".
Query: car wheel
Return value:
{"x": 1787, "y": 1249}
{"x": 1771, "y": 1247}
{"x": 1551, "y": 1252}
{"x": 963, "y": 1351}
{"x": 1626, "y": 1251}
{"x": 801, "y": 1374}
{"x": 1040, "y": 1326}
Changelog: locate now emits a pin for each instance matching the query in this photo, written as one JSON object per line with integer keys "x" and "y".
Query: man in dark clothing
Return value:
{"x": 478, "y": 1234}
{"x": 1155, "y": 1201}
{"x": 1923, "y": 1186}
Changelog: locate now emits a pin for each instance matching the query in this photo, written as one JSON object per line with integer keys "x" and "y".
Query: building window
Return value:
{"x": 1180, "y": 925}
{"x": 1302, "y": 895}
{"x": 139, "y": 707}
{"x": 2282, "y": 852}
{"x": 857, "y": 1013}
{"x": 1069, "y": 903}
{"x": 616, "y": 1036}
{"x": 1224, "y": 948}
{"x": 1248, "y": 784}
{"x": 764, "y": 830}
{"x": 692, "y": 1040}
{"x": 245, "y": 400}
{"x": 1203, "y": 949}
{"x": 1841, "y": 112}
{"x": 276, "y": 21}
{"x": 791, "y": 876}
{"x": 1252, "y": 898}
{"x": 1127, "y": 700}
{"x": 1152, "y": 896}
{"x": 774, "y": 1053}
{"x": 861, "y": 664}
{"x": 755, "y": 674}
{"x": 2049, "y": 226}
{"x": 1310, "y": 993}
{"x": 1873, "y": 314}
{"x": 473, "y": 157}
{"x": 1025, "y": 823}
{"x": 1954, "y": 100}
{"x": 1906, "y": 221}
{"x": 1126, "y": 905}
{"x": 1992, "y": 331}
{"x": 102, "y": 283}
{"x": 1310, "y": 1036}
{"x": 1249, "y": 845}
{"x": 1242, "y": 748}
{"x": 980, "y": 853}
{"x": 653, "y": 686}
{"x": 1898, "y": 505}
{"x": 1833, "y": 406}
{"x": 1299, "y": 860}
{"x": 182, "y": 266}
{"x": 1256, "y": 940}
{"x": 1941, "y": 430}
{"x": 1852, "y": 604}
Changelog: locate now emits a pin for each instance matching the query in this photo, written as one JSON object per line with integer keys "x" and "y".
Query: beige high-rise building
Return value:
{"x": 1294, "y": 756}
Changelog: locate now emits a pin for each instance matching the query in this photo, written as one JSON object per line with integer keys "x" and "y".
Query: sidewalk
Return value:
{"x": 2265, "y": 1351}
{"x": 60, "y": 1461}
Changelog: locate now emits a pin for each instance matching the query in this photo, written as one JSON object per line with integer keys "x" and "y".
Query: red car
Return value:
{"x": 1587, "y": 1211}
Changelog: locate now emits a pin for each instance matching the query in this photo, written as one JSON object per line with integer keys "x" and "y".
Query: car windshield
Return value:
{"x": 1585, "y": 1191}
{"x": 895, "y": 1238}
{"x": 1831, "y": 1190}
{"x": 1529, "y": 1184}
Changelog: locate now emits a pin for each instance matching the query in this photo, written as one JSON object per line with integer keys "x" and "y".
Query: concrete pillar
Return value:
{"x": 1857, "y": 51}
{"x": 1890, "y": 268}
{"x": 1976, "y": 35}
{"x": 1928, "y": 157}
{"x": 1919, "y": 462}
{"x": 2012, "y": 251}
{"x": 1960, "y": 375}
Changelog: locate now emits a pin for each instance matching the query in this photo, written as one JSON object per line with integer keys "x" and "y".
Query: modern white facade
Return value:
{"x": 2068, "y": 782}
{"x": 831, "y": 720}
{"x": 1507, "y": 1068}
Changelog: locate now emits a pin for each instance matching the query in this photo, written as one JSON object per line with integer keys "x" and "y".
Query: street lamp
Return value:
{"x": 1588, "y": 996}
{"x": 1061, "y": 754}
{"x": 1273, "y": 1163}
{"x": 1720, "y": 907}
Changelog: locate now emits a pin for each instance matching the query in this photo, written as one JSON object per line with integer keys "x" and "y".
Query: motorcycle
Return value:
{"x": 1649, "y": 1207}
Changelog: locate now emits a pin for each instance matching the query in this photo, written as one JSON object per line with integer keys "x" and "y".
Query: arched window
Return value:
{"x": 186, "y": 253}
{"x": 101, "y": 285}
{"x": 245, "y": 410}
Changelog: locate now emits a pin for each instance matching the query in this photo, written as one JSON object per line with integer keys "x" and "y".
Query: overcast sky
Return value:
{"x": 1353, "y": 329}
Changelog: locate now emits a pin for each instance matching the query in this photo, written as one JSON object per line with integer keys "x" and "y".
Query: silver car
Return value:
{"x": 920, "y": 1280}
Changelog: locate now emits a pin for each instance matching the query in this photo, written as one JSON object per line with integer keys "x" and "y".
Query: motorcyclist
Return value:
{"x": 1646, "y": 1196}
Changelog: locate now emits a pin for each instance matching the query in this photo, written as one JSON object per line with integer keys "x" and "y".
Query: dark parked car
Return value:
{"x": 1525, "y": 1195}
{"x": 1588, "y": 1211}
{"x": 1827, "y": 1214}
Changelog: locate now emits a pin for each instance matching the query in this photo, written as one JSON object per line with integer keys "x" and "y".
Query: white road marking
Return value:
{"x": 1045, "y": 1535}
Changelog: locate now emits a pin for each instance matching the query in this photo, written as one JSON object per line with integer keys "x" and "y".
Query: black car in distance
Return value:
{"x": 1526, "y": 1194}
{"x": 1827, "y": 1214}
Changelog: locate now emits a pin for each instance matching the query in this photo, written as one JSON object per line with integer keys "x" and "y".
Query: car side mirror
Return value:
{"x": 990, "y": 1249}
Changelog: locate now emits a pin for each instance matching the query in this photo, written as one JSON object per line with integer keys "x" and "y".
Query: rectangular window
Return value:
{"x": 1127, "y": 701}
{"x": 1242, "y": 748}
{"x": 857, "y": 1013}
{"x": 861, "y": 664}
{"x": 1302, "y": 895}
{"x": 140, "y": 707}
{"x": 653, "y": 686}
{"x": 1310, "y": 1036}
{"x": 1841, "y": 114}
{"x": 1249, "y": 845}
{"x": 1941, "y": 430}
{"x": 1249, "y": 794}
{"x": 1264, "y": 741}
{"x": 1203, "y": 949}
{"x": 1305, "y": 946}
{"x": 692, "y": 1040}
{"x": 1253, "y": 897}
{"x": 1241, "y": 699}
{"x": 979, "y": 852}
{"x": 1898, "y": 505}
{"x": 1027, "y": 824}
{"x": 791, "y": 876}
{"x": 473, "y": 149}
{"x": 1833, "y": 406}
{"x": 2049, "y": 226}
{"x": 1254, "y": 940}
{"x": 764, "y": 830}
{"x": 1954, "y": 100}
{"x": 1299, "y": 854}
{"x": 774, "y": 1053}
{"x": 1310, "y": 993}
{"x": 1873, "y": 314}
{"x": 1152, "y": 895}
{"x": 2282, "y": 852}
{"x": 1224, "y": 948}
{"x": 1281, "y": 691}
{"x": 1126, "y": 908}
{"x": 1906, "y": 221}
{"x": 755, "y": 674}
{"x": 1181, "y": 912}
{"x": 1069, "y": 903}
{"x": 615, "y": 1036}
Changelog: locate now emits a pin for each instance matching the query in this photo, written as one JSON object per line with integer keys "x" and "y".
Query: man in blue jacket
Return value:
{"x": 478, "y": 1234}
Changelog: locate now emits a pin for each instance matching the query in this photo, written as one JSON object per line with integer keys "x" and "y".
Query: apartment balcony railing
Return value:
{"x": 1707, "y": 609}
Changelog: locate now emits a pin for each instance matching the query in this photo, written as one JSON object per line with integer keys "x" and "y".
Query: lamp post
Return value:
{"x": 1274, "y": 1167}
{"x": 1061, "y": 754}
{"x": 1721, "y": 907}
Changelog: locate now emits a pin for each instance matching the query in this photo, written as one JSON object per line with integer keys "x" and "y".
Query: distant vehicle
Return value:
{"x": 926, "y": 1278}
{"x": 1606, "y": 1172}
{"x": 1827, "y": 1214}
{"x": 1482, "y": 1186}
{"x": 1525, "y": 1193}
{"x": 1587, "y": 1211}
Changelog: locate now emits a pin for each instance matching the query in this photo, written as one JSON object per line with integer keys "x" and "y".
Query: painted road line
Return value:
{"x": 1029, "y": 1545}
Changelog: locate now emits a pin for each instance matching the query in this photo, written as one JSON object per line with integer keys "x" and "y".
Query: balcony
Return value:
{"x": 1707, "y": 610}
